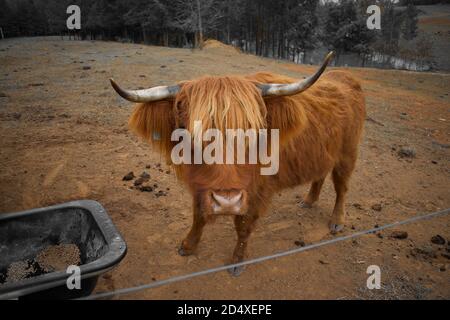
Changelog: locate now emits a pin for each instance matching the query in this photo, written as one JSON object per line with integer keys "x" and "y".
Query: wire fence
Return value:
{"x": 155, "y": 284}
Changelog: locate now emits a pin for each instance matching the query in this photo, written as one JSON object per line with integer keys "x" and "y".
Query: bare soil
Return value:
{"x": 64, "y": 137}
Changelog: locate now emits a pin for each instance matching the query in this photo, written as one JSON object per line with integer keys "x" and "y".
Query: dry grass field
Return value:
{"x": 64, "y": 136}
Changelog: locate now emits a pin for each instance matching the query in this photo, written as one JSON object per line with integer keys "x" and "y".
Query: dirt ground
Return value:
{"x": 64, "y": 137}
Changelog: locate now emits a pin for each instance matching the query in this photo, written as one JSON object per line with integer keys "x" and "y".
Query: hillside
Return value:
{"x": 434, "y": 22}
{"x": 65, "y": 137}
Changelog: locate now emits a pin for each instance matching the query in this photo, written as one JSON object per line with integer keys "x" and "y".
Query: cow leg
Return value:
{"x": 313, "y": 194}
{"x": 341, "y": 176}
{"x": 191, "y": 241}
{"x": 244, "y": 226}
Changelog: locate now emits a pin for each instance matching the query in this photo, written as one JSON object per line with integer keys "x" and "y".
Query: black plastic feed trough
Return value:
{"x": 23, "y": 235}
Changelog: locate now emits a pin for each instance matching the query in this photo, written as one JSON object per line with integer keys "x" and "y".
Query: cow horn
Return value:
{"x": 274, "y": 89}
{"x": 146, "y": 95}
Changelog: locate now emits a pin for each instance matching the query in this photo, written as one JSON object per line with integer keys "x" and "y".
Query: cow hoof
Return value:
{"x": 236, "y": 271}
{"x": 305, "y": 205}
{"x": 183, "y": 252}
{"x": 335, "y": 228}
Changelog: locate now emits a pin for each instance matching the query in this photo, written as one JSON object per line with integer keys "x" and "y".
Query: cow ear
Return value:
{"x": 286, "y": 115}
{"x": 155, "y": 122}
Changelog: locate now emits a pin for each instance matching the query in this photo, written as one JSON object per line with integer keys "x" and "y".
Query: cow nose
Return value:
{"x": 227, "y": 202}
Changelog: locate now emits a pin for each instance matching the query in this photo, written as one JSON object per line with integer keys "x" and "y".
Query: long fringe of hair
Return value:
{"x": 222, "y": 103}
{"x": 154, "y": 122}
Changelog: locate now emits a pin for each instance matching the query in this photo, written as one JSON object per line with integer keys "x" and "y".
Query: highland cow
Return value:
{"x": 320, "y": 123}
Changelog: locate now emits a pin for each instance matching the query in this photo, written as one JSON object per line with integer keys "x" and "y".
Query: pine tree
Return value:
{"x": 55, "y": 11}
{"x": 5, "y": 19}
{"x": 409, "y": 25}
{"x": 303, "y": 21}
{"x": 340, "y": 32}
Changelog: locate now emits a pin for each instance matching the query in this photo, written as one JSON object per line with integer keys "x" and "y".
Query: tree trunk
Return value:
{"x": 228, "y": 31}
{"x": 166, "y": 38}
{"x": 200, "y": 26}
{"x": 144, "y": 34}
{"x": 273, "y": 43}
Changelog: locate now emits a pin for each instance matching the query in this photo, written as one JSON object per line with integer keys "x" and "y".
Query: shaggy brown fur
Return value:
{"x": 320, "y": 131}
{"x": 222, "y": 103}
